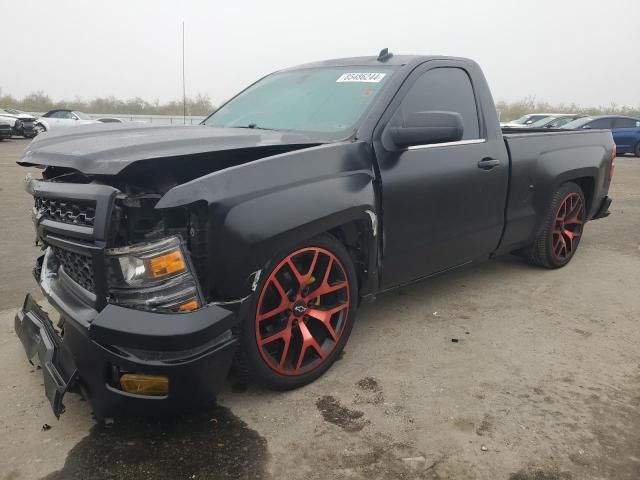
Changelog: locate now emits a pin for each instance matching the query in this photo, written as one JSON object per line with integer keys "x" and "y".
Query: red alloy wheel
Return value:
{"x": 568, "y": 226}
{"x": 302, "y": 311}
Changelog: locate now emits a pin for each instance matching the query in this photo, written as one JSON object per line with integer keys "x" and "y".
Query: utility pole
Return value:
{"x": 184, "y": 88}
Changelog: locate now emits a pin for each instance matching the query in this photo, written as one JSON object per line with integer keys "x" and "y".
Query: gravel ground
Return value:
{"x": 497, "y": 371}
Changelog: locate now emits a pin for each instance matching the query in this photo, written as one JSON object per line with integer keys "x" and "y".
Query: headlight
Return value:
{"x": 153, "y": 276}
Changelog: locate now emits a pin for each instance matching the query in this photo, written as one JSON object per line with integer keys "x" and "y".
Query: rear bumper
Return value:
{"x": 603, "y": 210}
{"x": 194, "y": 350}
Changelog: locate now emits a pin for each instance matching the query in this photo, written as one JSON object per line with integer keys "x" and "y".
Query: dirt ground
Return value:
{"x": 498, "y": 371}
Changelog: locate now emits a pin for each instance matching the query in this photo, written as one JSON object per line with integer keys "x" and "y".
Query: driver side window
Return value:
{"x": 602, "y": 123}
{"x": 445, "y": 89}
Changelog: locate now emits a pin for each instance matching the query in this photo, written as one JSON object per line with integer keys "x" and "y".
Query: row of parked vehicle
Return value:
{"x": 625, "y": 130}
{"x": 21, "y": 124}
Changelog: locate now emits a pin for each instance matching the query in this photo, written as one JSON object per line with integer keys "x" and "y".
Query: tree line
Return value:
{"x": 40, "y": 102}
{"x": 201, "y": 105}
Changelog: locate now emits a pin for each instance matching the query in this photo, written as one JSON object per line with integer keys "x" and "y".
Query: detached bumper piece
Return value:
{"x": 129, "y": 361}
{"x": 603, "y": 211}
{"x": 38, "y": 336}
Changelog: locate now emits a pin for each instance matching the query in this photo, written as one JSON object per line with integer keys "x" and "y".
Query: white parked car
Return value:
{"x": 62, "y": 118}
{"x": 22, "y": 124}
{"x": 527, "y": 120}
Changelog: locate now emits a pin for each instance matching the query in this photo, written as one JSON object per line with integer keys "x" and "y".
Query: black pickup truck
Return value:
{"x": 170, "y": 252}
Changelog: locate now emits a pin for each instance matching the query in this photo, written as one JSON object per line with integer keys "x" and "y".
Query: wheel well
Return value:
{"x": 587, "y": 185}
{"x": 353, "y": 236}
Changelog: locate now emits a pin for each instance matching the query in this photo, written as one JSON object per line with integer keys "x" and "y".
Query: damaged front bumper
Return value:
{"x": 193, "y": 350}
{"x": 40, "y": 339}
{"x": 100, "y": 348}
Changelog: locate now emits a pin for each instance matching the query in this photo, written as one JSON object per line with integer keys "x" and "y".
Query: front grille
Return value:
{"x": 75, "y": 212}
{"x": 78, "y": 267}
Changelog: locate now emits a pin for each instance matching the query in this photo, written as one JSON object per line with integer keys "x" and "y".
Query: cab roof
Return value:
{"x": 373, "y": 61}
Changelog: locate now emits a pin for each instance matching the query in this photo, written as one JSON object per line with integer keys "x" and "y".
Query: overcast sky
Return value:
{"x": 583, "y": 51}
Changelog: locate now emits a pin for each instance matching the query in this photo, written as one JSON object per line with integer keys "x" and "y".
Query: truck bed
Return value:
{"x": 541, "y": 160}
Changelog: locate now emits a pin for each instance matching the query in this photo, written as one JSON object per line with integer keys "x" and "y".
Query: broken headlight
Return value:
{"x": 154, "y": 276}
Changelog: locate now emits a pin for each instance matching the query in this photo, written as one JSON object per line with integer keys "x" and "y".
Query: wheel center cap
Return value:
{"x": 299, "y": 308}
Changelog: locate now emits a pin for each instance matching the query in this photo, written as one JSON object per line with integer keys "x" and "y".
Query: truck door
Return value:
{"x": 442, "y": 204}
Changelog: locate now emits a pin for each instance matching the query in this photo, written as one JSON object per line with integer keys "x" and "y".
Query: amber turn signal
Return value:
{"x": 167, "y": 264}
{"x": 188, "y": 306}
{"x": 152, "y": 385}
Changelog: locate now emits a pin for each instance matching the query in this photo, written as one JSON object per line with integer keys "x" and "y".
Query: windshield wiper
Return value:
{"x": 254, "y": 126}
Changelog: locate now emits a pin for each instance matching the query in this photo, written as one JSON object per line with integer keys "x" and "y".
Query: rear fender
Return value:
{"x": 537, "y": 175}
{"x": 559, "y": 167}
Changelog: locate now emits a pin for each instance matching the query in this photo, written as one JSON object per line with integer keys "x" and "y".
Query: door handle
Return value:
{"x": 488, "y": 163}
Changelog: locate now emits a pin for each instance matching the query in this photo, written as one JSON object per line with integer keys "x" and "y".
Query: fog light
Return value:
{"x": 153, "y": 385}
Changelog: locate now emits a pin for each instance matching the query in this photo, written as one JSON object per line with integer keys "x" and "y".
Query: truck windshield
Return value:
{"x": 310, "y": 100}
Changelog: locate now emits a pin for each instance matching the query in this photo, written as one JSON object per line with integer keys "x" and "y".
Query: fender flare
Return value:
{"x": 253, "y": 232}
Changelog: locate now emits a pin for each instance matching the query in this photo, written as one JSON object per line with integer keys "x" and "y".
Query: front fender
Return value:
{"x": 263, "y": 208}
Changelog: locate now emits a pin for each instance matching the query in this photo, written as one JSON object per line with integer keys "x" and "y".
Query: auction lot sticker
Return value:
{"x": 361, "y": 77}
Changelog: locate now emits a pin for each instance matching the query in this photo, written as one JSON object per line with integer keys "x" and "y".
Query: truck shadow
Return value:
{"x": 208, "y": 444}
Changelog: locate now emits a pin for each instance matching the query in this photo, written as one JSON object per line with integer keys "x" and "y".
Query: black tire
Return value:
{"x": 636, "y": 151}
{"x": 552, "y": 238}
{"x": 252, "y": 360}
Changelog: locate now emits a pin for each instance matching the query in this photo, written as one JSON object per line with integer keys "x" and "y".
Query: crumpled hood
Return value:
{"x": 27, "y": 117}
{"x": 20, "y": 116}
{"x": 106, "y": 149}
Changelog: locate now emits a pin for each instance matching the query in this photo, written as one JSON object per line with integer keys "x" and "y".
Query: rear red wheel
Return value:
{"x": 304, "y": 313}
{"x": 568, "y": 227}
{"x": 561, "y": 230}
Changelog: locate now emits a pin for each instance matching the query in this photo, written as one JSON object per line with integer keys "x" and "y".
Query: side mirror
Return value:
{"x": 587, "y": 127}
{"x": 423, "y": 128}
